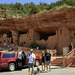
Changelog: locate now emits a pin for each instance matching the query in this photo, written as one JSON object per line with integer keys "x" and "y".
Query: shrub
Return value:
{"x": 34, "y": 10}
{"x": 34, "y": 45}
{"x": 0, "y": 16}
{"x": 43, "y": 47}
{"x": 11, "y": 48}
{"x": 20, "y": 45}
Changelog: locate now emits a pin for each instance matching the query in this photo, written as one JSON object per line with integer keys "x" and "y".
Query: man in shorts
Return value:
{"x": 31, "y": 61}
{"x": 48, "y": 58}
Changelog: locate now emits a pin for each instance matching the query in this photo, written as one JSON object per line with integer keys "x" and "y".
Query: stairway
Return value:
{"x": 73, "y": 65}
{"x": 57, "y": 62}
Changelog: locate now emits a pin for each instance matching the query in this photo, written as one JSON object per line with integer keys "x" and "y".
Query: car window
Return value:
{"x": 26, "y": 54}
{"x": 0, "y": 54}
{"x": 8, "y": 55}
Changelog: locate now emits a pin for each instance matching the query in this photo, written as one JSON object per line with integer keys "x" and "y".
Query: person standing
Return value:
{"x": 5, "y": 45}
{"x": 31, "y": 61}
{"x": 48, "y": 58}
{"x": 43, "y": 60}
{"x": 70, "y": 47}
{"x": 23, "y": 58}
{"x": 37, "y": 48}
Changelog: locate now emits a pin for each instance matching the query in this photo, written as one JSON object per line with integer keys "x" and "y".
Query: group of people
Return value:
{"x": 46, "y": 60}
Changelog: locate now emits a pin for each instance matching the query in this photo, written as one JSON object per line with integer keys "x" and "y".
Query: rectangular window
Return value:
{"x": 60, "y": 32}
{"x": 0, "y": 54}
{"x": 8, "y": 55}
{"x": 74, "y": 34}
{"x": 26, "y": 54}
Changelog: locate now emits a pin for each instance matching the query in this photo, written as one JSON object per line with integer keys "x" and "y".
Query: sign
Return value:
{"x": 65, "y": 51}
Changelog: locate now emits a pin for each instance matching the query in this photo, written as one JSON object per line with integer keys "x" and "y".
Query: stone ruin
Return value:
{"x": 54, "y": 29}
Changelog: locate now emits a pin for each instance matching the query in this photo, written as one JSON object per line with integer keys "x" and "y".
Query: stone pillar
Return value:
{"x": 30, "y": 35}
{"x": 15, "y": 36}
{"x": 33, "y": 36}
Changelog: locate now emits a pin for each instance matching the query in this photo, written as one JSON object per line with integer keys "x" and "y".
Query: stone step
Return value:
{"x": 57, "y": 64}
{"x": 72, "y": 66}
{"x": 57, "y": 61}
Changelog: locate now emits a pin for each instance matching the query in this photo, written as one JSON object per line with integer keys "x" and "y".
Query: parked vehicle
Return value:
{"x": 9, "y": 61}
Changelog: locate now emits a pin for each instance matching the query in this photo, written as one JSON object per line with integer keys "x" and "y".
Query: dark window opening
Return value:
{"x": 60, "y": 32}
{"x": 4, "y": 40}
{"x": 20, "y": 32}
{"x": 11, "y": 40}
{"x": 26, "y": 54}
{"x": 24, "y": 42}
{"x": 9, "y": 34}
{"x": 8, "y": 40}
{"x": 74, "y": 34}
{"x": 46, "y": 35}
{"x": 30, "y": 39}
{"x": 0, "y": 54}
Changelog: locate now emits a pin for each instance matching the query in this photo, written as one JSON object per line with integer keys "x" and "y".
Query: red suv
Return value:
{"x": 9, "y": 60}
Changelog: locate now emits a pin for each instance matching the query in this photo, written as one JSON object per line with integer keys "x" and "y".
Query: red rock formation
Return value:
{"x": 43, "y": 22}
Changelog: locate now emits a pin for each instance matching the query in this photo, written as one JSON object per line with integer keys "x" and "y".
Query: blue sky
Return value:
{"x": 26, "y": 1}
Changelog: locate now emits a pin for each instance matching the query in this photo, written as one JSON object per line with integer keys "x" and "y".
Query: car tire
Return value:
{"x": 11, "y": 66}
{"x": 37, "y": 63}
{"x": 1, "y": 69}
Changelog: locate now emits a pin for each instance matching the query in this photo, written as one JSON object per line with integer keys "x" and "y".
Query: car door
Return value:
{"x": 6, "y": 57}
{"x": 26, "y": 54}
{"x": 4, "y": 60}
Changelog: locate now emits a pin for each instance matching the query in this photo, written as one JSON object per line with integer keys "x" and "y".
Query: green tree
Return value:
{"x": 34, "y": 10}
{"x": 0, "y": 16}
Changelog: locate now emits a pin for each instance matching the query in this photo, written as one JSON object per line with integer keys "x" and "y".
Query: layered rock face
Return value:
{"x": 43, "y": 22}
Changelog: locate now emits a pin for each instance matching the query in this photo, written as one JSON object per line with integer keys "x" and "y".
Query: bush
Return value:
{"x": 11, "y": 48}
{"x": 34, "y": 45}
{"x": 0, "y": 16}
{"x": 20, "y": 45}
{"x": 34, "y": 10}
{"x": 43, "y": 47}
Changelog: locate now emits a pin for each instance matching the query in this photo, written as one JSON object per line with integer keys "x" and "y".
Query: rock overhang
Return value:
{"x": 43, "y": 22}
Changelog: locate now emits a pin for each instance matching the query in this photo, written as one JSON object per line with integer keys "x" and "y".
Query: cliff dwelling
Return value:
{"x": 54, "y": 29}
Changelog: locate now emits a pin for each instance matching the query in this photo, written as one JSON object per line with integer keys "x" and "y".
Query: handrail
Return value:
{"x": 54, "y": 52}
{"x": 68, "y": 59}
{"x": 70, "y": 54}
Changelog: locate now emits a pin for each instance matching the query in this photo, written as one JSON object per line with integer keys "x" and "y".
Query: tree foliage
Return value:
{"x": 31, "y": 8}
{"x": 34, "y": 10}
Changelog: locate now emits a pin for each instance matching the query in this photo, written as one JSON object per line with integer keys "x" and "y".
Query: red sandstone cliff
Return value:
{"x": 43, "y": 22}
